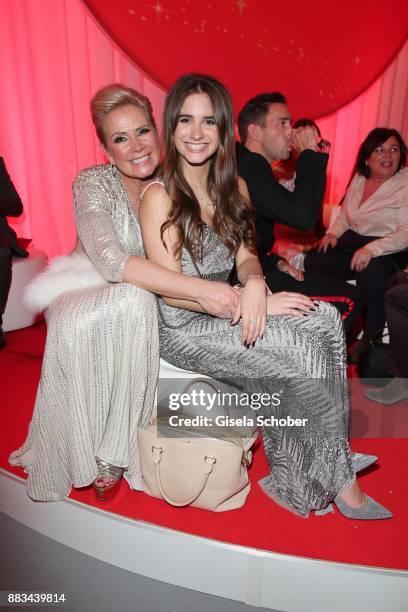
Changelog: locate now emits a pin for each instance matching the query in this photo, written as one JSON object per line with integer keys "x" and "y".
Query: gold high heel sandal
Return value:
{"x": 107, "y": 484}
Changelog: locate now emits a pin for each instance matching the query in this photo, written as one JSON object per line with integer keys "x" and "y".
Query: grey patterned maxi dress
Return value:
{"x": 101, "y": 359}
{"x": 302, "y": 356}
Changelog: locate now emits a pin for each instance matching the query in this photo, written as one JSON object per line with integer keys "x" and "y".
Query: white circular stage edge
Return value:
{"x": 252, "y": 576}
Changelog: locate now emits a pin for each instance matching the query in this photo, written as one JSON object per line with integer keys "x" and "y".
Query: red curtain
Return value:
{"x": 54, "y": 59}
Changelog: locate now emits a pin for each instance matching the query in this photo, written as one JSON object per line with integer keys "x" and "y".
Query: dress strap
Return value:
{"x": 155, "y": 182}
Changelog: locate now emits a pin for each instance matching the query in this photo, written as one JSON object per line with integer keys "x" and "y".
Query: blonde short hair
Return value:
{"x": 114, "y": 96}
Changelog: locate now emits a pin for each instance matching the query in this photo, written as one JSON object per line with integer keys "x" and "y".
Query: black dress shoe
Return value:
{"x": 2, "y": 338}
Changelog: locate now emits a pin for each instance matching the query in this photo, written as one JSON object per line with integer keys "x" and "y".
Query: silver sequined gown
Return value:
{"x": 302, "y": 356}
{"x": 102, "y": 355}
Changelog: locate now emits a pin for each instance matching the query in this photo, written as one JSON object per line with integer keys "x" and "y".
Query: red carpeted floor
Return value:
{"x": 260, "y": 523}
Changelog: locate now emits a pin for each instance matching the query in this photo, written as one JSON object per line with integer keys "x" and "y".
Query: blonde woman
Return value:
{"x": 102, "y": 354}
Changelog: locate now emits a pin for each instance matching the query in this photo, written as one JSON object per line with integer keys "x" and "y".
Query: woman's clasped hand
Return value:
{"x": 221, "y": 302}
{"x": 251, "y": 309}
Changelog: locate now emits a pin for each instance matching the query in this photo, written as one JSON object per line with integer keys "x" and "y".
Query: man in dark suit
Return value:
{"x": 266, "y": 133}
{"x": 10, "y": 205}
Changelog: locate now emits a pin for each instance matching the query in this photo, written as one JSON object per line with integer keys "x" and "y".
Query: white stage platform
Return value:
{"x": 256, "y": 577}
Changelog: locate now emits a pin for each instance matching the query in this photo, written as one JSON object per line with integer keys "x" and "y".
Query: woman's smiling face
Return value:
{"x": 131, "y": 142}
{"x": 196, "y": 136}
{"x": 384, "y": 160}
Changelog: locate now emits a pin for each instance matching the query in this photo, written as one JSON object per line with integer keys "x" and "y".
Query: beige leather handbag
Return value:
{"x": 194, "y": 468}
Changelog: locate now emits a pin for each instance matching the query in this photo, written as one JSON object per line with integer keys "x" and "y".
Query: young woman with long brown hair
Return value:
{"x": 200, "y": 222}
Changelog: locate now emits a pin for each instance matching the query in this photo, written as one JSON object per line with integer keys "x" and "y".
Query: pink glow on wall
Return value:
{"x": 55, "y": 56}
{"x": 383, "y": 104}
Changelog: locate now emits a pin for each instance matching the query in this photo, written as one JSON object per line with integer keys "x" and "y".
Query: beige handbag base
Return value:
{"x": 204, "y": 472}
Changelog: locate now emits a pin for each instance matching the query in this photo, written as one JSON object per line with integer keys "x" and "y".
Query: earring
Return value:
{"x": 366, "y": 162}
{"x": 114, "y": 170}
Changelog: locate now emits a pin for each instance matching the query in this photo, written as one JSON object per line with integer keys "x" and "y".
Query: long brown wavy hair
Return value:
{"x": 233, "y": 218}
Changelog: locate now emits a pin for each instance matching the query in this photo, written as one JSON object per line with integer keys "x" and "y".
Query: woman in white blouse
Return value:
{"x": 369, "y": 238}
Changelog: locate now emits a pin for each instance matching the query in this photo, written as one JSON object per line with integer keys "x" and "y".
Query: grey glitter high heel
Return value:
{"x": 361, "y": 462}
{"x": 369, "y": 511}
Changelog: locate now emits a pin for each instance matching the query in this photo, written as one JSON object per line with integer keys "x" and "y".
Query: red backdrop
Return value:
{"x": 321, "y": 54}
{"x": 54, "y": 59}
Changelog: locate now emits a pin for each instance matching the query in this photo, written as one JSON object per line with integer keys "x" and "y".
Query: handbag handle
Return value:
{"x": 157, "y": 452}
{"x": 206, "y": 381}
{"x": 186, "y": 389}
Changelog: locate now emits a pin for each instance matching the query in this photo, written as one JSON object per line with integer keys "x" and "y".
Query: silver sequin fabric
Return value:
{"x": 101, "y": 358}
{"x": 302, "y": 357}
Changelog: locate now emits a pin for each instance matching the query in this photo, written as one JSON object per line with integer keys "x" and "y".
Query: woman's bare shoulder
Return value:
{"x": 154, "y": 190}
{"x": 155, "y": 200}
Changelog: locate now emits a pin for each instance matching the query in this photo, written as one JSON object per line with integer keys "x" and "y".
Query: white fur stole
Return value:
{"x": 66, "y": 273}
